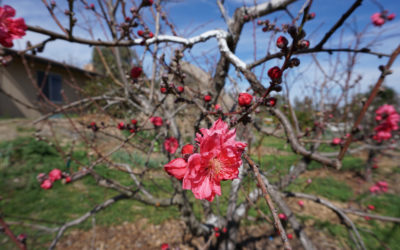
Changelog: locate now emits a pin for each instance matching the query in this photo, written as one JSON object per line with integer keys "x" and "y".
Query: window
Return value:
{"x": 51, "y": 86}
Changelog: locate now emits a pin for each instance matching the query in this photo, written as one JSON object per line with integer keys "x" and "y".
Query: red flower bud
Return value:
{"x": 140, "y": 32}
{"x": 163, "y": 90}
{"x": 157, "y": 121}
{"x": 180, "y": 89}
{"x": 67, "y": 179}
{"x": 121, "y": 126}
{"x": 289, "y": 236}
{"x": 134, "y": 121}
{"x": 216, "y": 229}
{"x": 207, "y": 98}
{"x": 187, "y": 149}
{"x": 224, "y": 230}
{"x": 92, "y": 6}
{"x": 136, "y": 72}
{"x": 336, "y": 141}
{"x": 132, "y": 130}
{"x": 304, "y": 44}
{"x": 371, "y": 207}
{"x": 127, "y": 19}
{"x": 150, "y": 35}
{"x": 391, "y": 17}
{"x": 271, "y": 102}
{"x": 311, "y": 15}
{"x": 275, "y": 73}
{"x": 165, "y": 246}
{"x": 281, "y": 42}
{"x": 245, "y": 99}
{"x": 217, "y": 234}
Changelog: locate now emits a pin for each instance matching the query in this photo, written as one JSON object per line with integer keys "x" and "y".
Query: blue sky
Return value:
{"x": 192, "y": 17}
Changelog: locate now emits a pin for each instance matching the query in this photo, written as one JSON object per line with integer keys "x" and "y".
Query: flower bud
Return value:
{"x": 294, "y": 62}
{"x": 207, "y": 98}
{"x": 304, "y": 44}
{"x": 281, "y": 42}
{"x": 275, "y": 73}
{"x": 245, "y": 99}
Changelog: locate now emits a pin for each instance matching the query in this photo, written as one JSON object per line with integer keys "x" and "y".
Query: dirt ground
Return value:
{"x": 142, "y": 235}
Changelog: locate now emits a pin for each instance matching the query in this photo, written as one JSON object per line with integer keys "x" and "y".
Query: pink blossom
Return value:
{"x": 374, "y": 189}
{"x": 371, "y": 207}
{"x": 389, "y": 120}
{"x": 282, "y": 216}
{"x": 309, "y": 181}
{"x": 157, "y": 121}
{"x": 10, "y": 28}
{"x": 177, "y": 168}
{"x": 301, "y": 203}
{"x": 46, "y": 184}
{"x": 383, "y": 186}
{"x": 55, "y": 174}
{"x": 219, "y": 159}
{"x": 171, "y": 144}
{"x": 336, "y": 141}
{"x": 217, "y": 107}
{"x": 377, "y": 19}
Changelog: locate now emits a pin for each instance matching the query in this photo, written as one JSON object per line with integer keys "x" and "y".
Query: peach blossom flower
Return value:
{"x": 219, "y": 159}
{"x": 171, "y": 144}
{"x": 10, "y": 28}
{"x": 55, "y": 174}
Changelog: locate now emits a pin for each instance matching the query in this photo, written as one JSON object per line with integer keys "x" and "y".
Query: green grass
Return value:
{"x": 22, "y": 159}
{"x": 328, "y": 188}
{"x": 349, "y": 163}
{"x": 276, "y": 143}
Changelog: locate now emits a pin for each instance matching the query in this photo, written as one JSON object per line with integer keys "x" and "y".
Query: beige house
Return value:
{"x": 32, "y": 85}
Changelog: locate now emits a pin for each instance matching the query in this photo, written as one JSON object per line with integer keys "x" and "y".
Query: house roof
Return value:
{"x": 40, "y": 59}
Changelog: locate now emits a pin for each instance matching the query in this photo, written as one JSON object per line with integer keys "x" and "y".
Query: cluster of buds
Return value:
{"x": 217, "y": 231}
{"x": 171, "y": 88}
{"x": 132, "y": 127}
{"x": 145, "y": 34}
{"x": 89, "y": 7}
{"x": 267, "y": 26}
{"x": 46, "y": 180}
{"x": 299, "y": 35}
{"x": 379, "y": 187}
{"x": 379, "y": 18}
